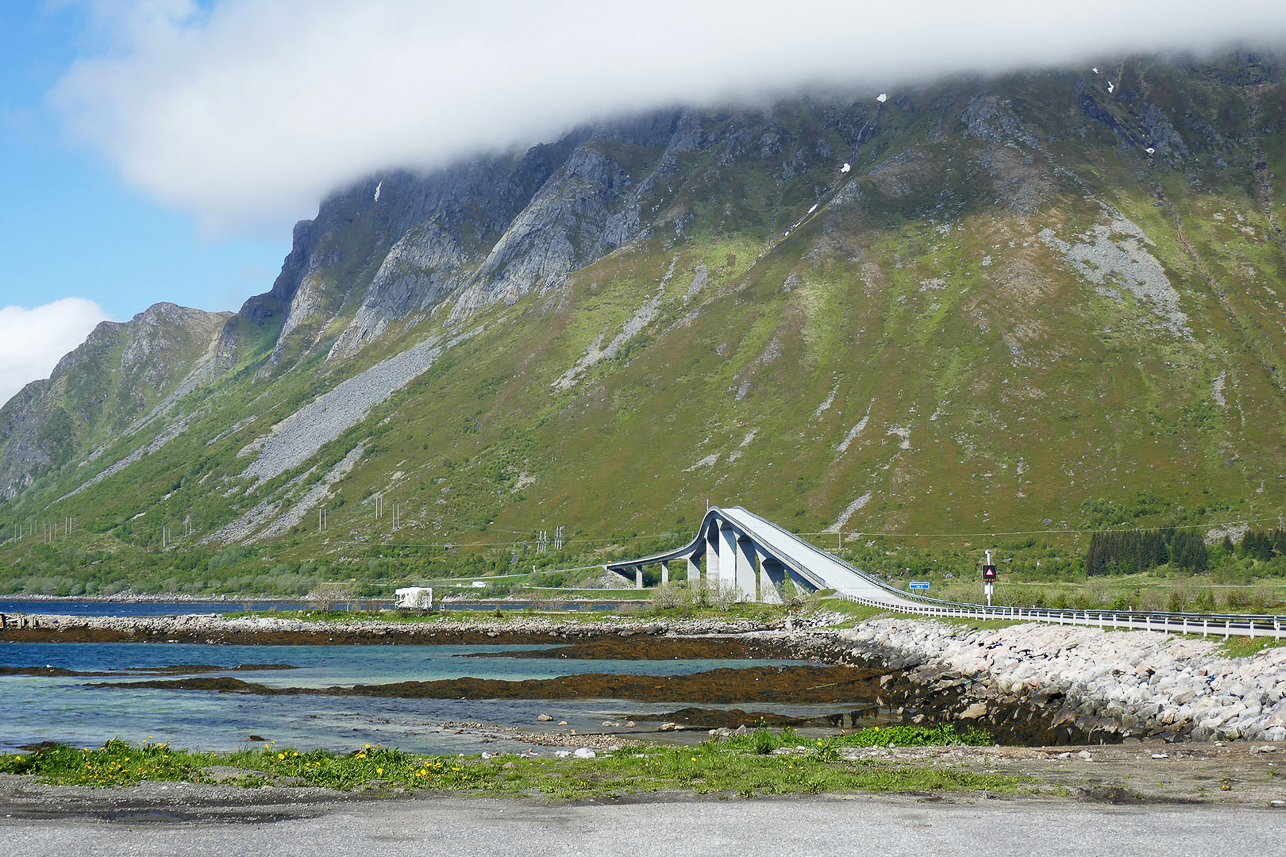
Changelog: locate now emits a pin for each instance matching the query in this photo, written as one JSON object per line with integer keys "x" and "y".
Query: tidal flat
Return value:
{"x": 601, "y": 707}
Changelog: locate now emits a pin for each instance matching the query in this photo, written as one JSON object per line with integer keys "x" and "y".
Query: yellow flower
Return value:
{"x": 281, "y": 755}
{"x": 379, "y": 770}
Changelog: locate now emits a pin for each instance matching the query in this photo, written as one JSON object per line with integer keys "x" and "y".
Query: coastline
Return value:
{"x": 1029, "y": 684}
{"x": 215, "y": 629}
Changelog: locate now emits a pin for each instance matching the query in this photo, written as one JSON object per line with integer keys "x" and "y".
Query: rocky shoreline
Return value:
{"x": 1027, "y": 684}
{"x": 214, "y": 629}
{"x": 1086, "y": 685}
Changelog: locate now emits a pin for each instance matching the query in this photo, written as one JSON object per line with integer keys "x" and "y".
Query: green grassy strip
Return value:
{"x": 746, "y": 765}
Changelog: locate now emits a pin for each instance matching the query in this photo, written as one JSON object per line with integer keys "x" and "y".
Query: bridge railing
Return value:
{"x": 1225, "y": 625}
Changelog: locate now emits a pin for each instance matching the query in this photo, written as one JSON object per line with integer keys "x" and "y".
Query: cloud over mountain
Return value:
{"x": 33, "y": 340}
{"x": 245, "y": 112}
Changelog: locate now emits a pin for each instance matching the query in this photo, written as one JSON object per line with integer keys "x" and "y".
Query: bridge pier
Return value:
{"x": 638, "y": 577}
{"x": 772, "y": 581}
{"x": 745, "y": 576}
{"x": 694, "y": 569}
{"x": 727, "y": 556}
{"x": 712, "y": 554}
{"x": 665, "y": 572}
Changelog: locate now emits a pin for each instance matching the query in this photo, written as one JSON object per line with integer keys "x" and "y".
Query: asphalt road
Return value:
{"x": 889, "y": 826}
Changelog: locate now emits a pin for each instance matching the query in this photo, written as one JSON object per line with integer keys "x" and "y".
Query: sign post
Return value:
{"x": 988, "y": 578}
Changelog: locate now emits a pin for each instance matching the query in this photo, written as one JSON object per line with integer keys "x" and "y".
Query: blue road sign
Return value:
{"x": 919, "y": 584}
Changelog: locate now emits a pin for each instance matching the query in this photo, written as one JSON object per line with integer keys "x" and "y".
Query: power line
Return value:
{"x": 903, "y": 535}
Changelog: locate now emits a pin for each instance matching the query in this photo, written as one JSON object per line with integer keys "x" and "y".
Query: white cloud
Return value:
{"x": 250, "y": 110}
{"x": 32, "y": 341}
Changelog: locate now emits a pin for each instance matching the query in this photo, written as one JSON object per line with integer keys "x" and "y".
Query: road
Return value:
{"x": 284, "y": 826}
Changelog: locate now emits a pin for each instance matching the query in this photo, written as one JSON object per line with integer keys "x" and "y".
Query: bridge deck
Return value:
{"x": 821, "y": 569}
{"x": 812, "y": 562}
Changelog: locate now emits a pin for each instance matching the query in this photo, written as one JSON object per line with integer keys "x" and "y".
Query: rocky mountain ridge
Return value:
{"x": 986, "y": 304}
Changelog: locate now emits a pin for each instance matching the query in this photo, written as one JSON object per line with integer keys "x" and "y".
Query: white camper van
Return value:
{"x": 414, "y": 598}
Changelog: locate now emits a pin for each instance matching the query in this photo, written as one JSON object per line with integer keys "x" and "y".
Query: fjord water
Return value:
{"x": 79, "y": 607}
{"x": 67, "y": 709}
{"x": 85, "y": 607}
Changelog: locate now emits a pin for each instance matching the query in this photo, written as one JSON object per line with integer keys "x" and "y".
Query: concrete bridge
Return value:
{"x": 755, "y": 557}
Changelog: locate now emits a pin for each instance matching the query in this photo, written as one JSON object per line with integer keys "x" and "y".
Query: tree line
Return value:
{"x": 1262, "y": 545}
{"x": 1130, "y": 551}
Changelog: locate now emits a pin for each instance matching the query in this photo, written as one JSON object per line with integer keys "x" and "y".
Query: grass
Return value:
{"x": 856, "y": 613}
{"x": 1244, "y": 647}
{"x": 116, "y": 763}
{"x": 760, "y": 762}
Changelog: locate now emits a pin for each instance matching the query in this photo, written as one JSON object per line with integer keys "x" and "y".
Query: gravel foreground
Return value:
{"x": 189, "y": 820}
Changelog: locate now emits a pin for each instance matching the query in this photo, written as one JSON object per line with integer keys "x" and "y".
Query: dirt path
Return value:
{"x": 1235, "y": 774}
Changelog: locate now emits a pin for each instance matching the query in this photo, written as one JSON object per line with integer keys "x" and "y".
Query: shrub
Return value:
{"x": 327, "y": 595}
{"x": 675, "y": 594}
{"x": 720, "y": 596}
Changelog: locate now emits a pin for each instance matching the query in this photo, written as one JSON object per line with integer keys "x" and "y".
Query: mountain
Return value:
{"x": 1041, "y": 301}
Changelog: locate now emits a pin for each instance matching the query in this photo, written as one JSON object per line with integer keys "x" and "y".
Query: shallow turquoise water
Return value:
{"x": 66, "y": 709}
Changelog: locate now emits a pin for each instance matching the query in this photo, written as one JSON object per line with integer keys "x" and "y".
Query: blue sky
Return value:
{"x": 160, "y": 150}
{"x": 69, "y": 226}
{"x": 71, "y": 229}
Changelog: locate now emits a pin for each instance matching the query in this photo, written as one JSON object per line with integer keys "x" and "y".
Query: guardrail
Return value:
{"x": 1225, "y": 625}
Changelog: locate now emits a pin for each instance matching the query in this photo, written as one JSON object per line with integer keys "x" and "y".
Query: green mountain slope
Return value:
{"x": 1038, "y": 302}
